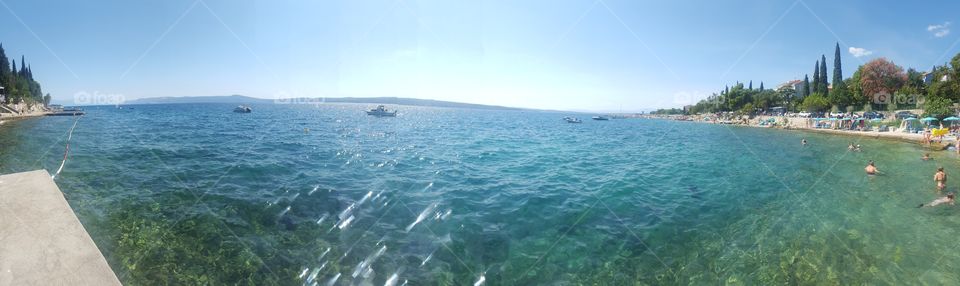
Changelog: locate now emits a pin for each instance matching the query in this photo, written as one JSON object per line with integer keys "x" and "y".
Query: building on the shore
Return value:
{"x": 794, "y": 84}
{"x": 928, "y": 77}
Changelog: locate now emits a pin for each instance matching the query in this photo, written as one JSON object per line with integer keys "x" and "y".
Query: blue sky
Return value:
{"x": 572, "y": 55}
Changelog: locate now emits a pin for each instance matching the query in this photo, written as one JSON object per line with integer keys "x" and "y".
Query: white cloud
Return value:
{"x": 859, "y": 52}
{"x": 939, "y": 30}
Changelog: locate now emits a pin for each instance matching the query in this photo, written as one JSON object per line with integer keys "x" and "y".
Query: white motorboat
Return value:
{"x": 243, "y": 109}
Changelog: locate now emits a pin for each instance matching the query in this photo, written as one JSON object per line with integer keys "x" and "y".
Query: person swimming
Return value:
{"x": 941, "y": 178}
{"x": 949, "y": 199}
{"x": 926, "y": 157}
{"x": 871, "y": 168}
{"x": 803, "y": 141}
{"x": 851, "y": 147}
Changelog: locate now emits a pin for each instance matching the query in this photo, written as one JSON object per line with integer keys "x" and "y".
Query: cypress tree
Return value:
{"x": 4, "y": 73}
{"x": 23, "y": 67}
{"x": 751, "y": 85}
{"x": 806, "y": 85}
{"x": 837, "y": 71}
{"x": 4, "y": 65}
{"x": 816, "y": 78}
{"x": 761, "y": 86}
{"x": 823, "y": 76}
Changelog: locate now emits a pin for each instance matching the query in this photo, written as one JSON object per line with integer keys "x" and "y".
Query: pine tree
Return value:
{"x": 823, "y": 76}
{"x": 816, "y": 78}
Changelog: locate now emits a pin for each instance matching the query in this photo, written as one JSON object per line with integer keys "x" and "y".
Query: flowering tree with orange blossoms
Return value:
{"x": 881, "y": 76}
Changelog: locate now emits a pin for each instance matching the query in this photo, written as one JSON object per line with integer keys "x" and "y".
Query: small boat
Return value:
{"x": 601, "y": 118}
{"x": 381, "y": 111}
{"x": 243, "y": 109}
{"x": 572, "y": 120}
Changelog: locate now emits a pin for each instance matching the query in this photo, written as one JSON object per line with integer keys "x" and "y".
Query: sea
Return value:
{"x": 322, "y": 194}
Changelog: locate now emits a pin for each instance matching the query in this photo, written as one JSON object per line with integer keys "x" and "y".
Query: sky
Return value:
{"x": 585, "y": 55}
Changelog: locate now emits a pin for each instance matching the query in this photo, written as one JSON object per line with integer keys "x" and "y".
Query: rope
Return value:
{"x": 66, "y": 151}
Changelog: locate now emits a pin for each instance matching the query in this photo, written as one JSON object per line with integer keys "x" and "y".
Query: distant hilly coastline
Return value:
{"x": 240, "y": 99}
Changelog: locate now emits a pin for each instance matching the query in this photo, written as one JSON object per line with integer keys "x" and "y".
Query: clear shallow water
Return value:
{"x": 324, "y": 194}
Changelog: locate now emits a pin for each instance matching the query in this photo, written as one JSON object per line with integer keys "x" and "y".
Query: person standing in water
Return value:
{"x": 941, "y": 178}
{"x": 803, "y": 142}
{"x": 871, "y": 168}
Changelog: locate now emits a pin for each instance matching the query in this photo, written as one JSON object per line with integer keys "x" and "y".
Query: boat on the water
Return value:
{"x": 572, "y": 120}
{"x": 382, "y": 111}
{"x": 243, "y": 109}
{"x": 601, "y": 118}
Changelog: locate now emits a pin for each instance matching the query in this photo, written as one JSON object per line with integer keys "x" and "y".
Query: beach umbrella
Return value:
{"x": 910, "y": 119}
{"x": 833, "y": 119}
{"x": 928, "y": 119}
{"x": 951, "y": 118}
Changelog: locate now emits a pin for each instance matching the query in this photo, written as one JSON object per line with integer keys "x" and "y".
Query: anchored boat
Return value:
{"x": 381, "y": 111}
{"x": 243, "y": 109}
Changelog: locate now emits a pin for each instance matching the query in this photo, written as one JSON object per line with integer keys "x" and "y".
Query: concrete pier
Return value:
{"x": 41, "y": 240}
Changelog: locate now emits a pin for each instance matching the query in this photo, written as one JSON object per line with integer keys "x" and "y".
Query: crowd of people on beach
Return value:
{"x": 940, "y": 177}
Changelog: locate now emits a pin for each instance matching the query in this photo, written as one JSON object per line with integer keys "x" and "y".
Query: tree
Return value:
{"x": 915, "y": 79}
{"x": 46, "y": 100}
{"x": 839, "y": 94}
{"x": 823, "y": 76}
{"x": 881, "y": 76}
{"x": 4, "y": 66}
{"x": 837, "y": 70}
{"x": 747, "y": 108}
{"x": 816, "y": 78}
{"x": 751, "y": 85}
{"x": 806, "y": 86}
{"x": 949, "y": 88}
{"x": 852, "y": 85}
{"x": 761, "y": 86}
{"x": 815, "y": 103}
{"x": 938, "y": 107}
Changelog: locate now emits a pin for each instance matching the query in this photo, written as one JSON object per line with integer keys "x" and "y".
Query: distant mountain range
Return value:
{"x": 240, "y": 99}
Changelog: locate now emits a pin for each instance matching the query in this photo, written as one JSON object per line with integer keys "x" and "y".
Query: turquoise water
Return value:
{"x": 303, "y": 194}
